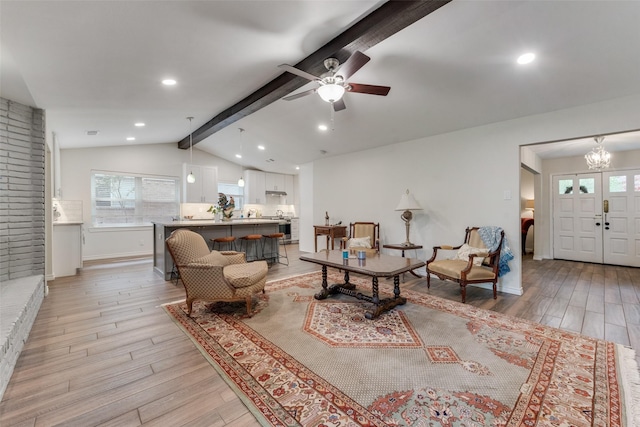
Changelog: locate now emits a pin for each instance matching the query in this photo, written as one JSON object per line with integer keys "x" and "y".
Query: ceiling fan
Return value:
{"x": 333, "y": 84}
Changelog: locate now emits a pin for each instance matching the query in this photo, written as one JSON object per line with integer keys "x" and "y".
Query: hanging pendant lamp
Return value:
{"x": 241, "y": 180}
{"x": 191, "y": 178}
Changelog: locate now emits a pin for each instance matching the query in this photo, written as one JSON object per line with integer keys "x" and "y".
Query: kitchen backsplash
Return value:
{"x": 199, "y": 210}
{"x": 67, "y": 211}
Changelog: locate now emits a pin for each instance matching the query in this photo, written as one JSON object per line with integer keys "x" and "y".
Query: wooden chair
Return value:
{"x": 212, "y": 275}
{"x": 463, "y": 270}
{"x": 361, "y": 233}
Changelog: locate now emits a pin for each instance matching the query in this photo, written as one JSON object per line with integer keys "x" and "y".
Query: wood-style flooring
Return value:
{"x": 102, "y": 352}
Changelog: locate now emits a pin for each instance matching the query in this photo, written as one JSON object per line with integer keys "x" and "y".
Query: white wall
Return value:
{"x": 157, "y": 159}
{"x": 461, "y": 178}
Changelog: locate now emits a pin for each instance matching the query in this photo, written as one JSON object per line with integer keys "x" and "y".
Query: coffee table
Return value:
{"x": 374, "y": 267}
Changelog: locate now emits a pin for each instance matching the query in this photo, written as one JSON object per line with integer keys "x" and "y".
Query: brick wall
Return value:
{"x": 22, "y": 251}
{"x": 22, "y": 181}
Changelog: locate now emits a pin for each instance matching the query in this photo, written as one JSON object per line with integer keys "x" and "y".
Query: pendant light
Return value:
{"x": 191, "y": 178}
{"x": 241, "y": 180}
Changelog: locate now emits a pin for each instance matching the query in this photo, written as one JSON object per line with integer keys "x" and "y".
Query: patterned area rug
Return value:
{"x": 430, "y": 362}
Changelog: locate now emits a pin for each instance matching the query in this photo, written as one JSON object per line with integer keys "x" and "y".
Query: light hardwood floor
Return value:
{"x": 102, "y": 352}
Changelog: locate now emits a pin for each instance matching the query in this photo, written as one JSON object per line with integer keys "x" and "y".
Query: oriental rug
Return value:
{"x": 430, "y": 362}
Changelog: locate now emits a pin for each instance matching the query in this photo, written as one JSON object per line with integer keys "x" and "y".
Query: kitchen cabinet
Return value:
{"x": 205, "y": 189}
{"x": 254, "y": 187}
{"x": 289, "y": 188}
{"x": 295, "y": 230}
{"x": 67, "y": 249}
{"x": 274, "y": 182}
{"x": 258, "y": 182}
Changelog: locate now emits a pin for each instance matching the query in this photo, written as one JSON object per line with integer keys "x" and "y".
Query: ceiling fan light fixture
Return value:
{"x": 331, "y": 92}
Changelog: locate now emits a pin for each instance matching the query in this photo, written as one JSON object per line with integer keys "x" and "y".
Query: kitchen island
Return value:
{"x": 209, "y": 229}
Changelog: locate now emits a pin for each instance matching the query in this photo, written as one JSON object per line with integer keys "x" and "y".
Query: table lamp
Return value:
{"x": 407, "y": 204}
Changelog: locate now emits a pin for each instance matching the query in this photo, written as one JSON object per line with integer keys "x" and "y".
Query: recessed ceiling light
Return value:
{"x": 169, "y": 82}
{"x": 526, "y": 58}
{"x": 260, "y": 147}
{"x": 323, "y": 127}
{"x": 139, "y": 124}
{"x": 130, "y": 138}
{"x": 239, "y": 156}
{"x": 297, "y": 168}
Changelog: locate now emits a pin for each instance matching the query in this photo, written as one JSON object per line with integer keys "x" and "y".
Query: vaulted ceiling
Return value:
{"x": 98, "y": 65}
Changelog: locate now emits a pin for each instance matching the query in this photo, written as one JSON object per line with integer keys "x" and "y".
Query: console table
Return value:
{"x": 332, "y": 232}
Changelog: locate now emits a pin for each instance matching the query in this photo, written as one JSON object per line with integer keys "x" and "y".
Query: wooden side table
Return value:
{"x": 332, "y": 232}
{"x": 402, "y": 247}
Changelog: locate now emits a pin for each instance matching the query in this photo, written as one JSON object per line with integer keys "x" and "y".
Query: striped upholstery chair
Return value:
{"x": 214, "y": 276}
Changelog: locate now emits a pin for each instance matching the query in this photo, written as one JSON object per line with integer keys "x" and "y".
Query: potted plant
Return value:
{"x": 216, "y": 211}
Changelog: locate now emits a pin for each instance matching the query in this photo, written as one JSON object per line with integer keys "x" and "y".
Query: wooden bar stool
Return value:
{"x": 249, "y": 241}
{"x": 272, "y": 240}
{"x": 226, "y": 243}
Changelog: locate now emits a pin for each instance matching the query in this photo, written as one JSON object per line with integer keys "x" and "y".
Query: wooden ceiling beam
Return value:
{"x": 380, "y": 24}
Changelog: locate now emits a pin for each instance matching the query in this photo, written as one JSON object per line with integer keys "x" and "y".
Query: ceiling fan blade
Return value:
{"x": 339, "y": 105}
{"x": 299, "y": 95}
{"x": 369, "y": 89}
{"x": 353, "y": 64}
{"x": 298, "y": 72}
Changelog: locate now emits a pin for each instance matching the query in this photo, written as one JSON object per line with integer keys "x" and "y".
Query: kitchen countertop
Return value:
{"x": 204, "y": 222}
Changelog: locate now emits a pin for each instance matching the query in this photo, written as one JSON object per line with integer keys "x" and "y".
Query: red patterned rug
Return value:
{"x": 430, "y": 362}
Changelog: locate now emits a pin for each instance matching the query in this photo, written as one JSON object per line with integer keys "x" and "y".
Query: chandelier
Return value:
{"x": 598, "y": 158}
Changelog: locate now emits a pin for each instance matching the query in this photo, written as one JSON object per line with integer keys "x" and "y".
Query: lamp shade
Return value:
{"x": 529, "y": 204}
{"x": 331, "y": 92}
{"x": 408, "y": 203}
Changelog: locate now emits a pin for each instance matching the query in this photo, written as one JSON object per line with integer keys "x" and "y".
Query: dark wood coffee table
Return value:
{"x": 375, "y": 267}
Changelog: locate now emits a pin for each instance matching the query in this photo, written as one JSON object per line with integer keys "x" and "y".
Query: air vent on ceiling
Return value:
{"x": 92, "y": 132}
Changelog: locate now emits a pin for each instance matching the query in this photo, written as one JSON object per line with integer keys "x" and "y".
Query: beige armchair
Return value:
{"x": 363, "y": 236}
{"x": 214, "y": 276}
{"x": 473, "y": 263}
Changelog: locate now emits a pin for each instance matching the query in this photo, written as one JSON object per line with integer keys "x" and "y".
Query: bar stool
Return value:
{"x": 272, "y": 239}
{"x": 249, "y": 241}
{"x": 227, "y": 242}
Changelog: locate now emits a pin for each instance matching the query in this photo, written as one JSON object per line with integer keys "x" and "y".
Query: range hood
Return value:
{"x": 275, "y": 193}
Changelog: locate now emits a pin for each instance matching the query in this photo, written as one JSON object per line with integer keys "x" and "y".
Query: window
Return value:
{"x": 119, "y": 199}
{"x": 618, "y": 184}
{"x": 232, "y": 189}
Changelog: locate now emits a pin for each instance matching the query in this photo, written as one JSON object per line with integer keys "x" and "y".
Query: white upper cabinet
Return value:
{"x": 254, "y": 187}
{"x": 289, "y": 188}
{"x": 274, "y": 182}
{"x": 205, "y": 189}
{"x": 257, "y": 183}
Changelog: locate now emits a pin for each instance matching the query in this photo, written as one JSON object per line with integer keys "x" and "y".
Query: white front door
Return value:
{"x": 600, "y": 222}
{"x": 577, "y": 217}
{"x": 621, "y": 215}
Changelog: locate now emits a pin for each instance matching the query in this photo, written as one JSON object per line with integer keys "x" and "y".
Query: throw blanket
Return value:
{"x": 491, "y": 238}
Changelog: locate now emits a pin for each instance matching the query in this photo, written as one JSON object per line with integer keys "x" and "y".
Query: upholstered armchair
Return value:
{"x": 363, "y": 236}
{"x": 472, "y": 262}
{"x": 213, "y": 275}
